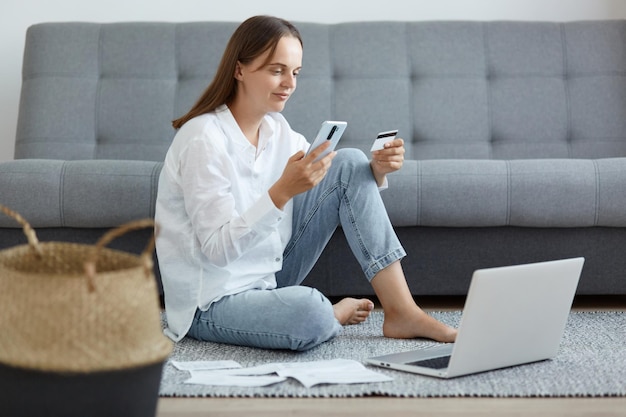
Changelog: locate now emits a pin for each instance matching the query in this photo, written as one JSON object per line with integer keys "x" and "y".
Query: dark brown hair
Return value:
{"x": 250, "y": 40}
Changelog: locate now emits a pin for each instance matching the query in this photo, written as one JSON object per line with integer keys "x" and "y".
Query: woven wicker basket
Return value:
{"x": 78, "y": 308}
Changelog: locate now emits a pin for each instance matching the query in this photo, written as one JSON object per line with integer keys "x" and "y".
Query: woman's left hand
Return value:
{"x": 388, "y": 159}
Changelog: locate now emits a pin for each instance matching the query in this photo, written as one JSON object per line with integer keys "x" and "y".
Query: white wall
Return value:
{"x": 17, "y": 15}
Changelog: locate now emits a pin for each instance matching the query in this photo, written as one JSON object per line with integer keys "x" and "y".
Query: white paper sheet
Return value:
{"x": 335, "y": 371}
{"x": 338, "y": 371}
{"x": 215, "y": 378}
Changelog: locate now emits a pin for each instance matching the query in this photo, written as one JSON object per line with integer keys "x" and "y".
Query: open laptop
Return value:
{"x": 512, "y": 315}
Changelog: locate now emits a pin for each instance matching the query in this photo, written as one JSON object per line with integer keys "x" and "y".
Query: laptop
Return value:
{"x": 512, "y": 315}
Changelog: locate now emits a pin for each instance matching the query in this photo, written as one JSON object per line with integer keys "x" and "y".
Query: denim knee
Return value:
{"x": 317, "y": 322}
{"x": 354, "y": 167}
{"x": 351, "y": 155}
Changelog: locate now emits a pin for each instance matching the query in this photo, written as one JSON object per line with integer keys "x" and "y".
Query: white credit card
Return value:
{"x": 382, "y": 138}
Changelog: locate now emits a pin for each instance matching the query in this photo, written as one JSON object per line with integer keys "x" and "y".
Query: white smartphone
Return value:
{"x": 382, "y": 138}
{"x": 329, "y": 131}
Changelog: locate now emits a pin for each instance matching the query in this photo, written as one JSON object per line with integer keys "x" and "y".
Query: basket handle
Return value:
{"x": 90, "y": 264}
{"x": 31, "y": 236}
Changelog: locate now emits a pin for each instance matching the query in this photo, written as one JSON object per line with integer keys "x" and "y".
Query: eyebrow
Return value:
{"x": 280, "y": 65}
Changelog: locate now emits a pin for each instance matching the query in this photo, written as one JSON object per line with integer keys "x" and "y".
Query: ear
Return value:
{"x": 238, "y": 72}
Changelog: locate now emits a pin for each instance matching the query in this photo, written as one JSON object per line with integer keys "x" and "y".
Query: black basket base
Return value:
{"x": 128, "y": 393}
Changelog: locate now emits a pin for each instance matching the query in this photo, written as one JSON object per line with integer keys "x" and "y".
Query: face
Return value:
{"x": 266, "y": 87}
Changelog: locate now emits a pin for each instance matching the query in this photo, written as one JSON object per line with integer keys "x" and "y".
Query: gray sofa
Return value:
{"x": 515, "y": 135}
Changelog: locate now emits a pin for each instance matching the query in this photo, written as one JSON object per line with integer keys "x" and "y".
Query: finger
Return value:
{"x": 386, "y": 157}
{"x": 326, "y": 161}
{"x": 390, "y": 150}
{"x": 318, "y": 176}
{"x": 323, "y": 164}
{"x": 388, "y": 166}
{"x": 318, "y": 151}
{"x": 396, "y": 150}
{"x": 321, "y": 167}
{"x": 297, "y": 156}
{"x": 391, "y": 153}
{"x": 397, "y": 142}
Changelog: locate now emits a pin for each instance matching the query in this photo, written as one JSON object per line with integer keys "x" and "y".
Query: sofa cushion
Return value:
{"x": 452, "y": 193}
{"x": 525, "y": 193}
{"x": 92, "y": 194}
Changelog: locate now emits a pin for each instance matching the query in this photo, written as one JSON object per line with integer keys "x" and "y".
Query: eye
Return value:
{"x": 276, "y": 71}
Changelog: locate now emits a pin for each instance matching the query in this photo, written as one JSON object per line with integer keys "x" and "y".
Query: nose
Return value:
{"x": 289, "y": 81}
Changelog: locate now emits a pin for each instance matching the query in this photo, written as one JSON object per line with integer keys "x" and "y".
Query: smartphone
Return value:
{"x": 329, "y": 131}
{"x": 382, "y": 138}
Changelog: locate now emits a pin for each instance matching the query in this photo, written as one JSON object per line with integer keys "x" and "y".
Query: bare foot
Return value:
{"x": 417, "y": 325}
{"x": 352, "y": 310}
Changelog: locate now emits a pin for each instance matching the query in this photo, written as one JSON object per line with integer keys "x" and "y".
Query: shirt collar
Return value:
{"x": 266, "y": 130}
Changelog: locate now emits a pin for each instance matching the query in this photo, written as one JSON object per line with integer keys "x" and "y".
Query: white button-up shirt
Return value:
{"x": 218, "y": 231}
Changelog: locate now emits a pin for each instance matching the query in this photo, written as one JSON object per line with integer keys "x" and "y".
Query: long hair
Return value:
{"x": 250, "y": 40}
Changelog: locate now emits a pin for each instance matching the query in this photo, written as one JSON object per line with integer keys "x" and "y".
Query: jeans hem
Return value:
{"x": 382, "y": 263}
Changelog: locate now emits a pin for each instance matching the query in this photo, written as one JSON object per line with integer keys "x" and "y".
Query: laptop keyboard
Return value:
{"x": 434, "y": 363}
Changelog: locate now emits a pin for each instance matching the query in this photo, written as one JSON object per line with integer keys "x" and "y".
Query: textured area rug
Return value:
{"x": 591, "y": 363}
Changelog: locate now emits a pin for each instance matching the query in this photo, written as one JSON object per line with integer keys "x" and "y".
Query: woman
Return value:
{"x": 243, "y": 214}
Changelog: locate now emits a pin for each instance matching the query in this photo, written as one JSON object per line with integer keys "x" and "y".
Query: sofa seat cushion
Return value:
{"x": 438, "y": 193}
{"x": 525, "y": 193}
{"x": 94, "y": 193}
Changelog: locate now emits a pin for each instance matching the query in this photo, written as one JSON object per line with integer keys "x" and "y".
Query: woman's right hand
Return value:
{"x": 300, "y": 174}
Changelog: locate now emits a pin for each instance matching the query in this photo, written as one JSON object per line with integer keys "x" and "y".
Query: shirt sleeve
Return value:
{"x": 385, "y": 184}
{"x": 224, "y": 233}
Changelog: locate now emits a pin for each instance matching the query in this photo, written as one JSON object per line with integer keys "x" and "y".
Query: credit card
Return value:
{"x": 382, "y": 138}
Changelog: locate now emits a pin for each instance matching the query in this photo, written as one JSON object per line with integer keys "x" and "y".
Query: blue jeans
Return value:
{"x": 296, "y": 317}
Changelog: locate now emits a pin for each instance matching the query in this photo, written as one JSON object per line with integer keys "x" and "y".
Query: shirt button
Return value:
{"x": 277, "y": 259}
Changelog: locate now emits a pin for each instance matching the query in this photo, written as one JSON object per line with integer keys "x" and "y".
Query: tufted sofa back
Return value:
{"x": 472, "y": 90}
